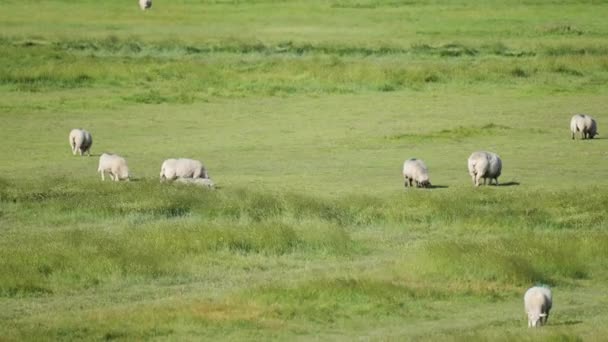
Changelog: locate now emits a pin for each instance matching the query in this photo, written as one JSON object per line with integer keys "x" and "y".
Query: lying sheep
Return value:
{"x": 202, "y": 182}
{"x": 115, "y": 165}
{"x": 484, "y": 165}
{"x": 584, "y": 124}
{"x": 145, "y": 4}
{"x": 414, "y": 170}
{"x": 182, "y": 168}
{"x": 80, "y": 141}
{"x": 537, "y": 303}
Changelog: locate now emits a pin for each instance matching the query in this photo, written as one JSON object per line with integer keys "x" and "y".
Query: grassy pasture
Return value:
{"x": 304, "y": 113}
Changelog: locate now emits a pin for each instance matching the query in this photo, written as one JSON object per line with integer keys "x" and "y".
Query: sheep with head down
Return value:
{"x": 115, "y": 165}
{"x": 538, "y": 301}
{"x": 486, "y": 165}
{"x": 585, "y": 124}
{"x": 182, "y": 168}
{"x": 415, "y": 171}
{"x": 80, "y": 141}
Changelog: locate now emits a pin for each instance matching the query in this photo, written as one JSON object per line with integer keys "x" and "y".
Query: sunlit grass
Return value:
{"x": 303, "y": 112}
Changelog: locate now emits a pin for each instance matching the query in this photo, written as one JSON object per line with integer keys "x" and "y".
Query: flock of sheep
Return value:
{"x": 538, "y": 300}
{"x": 488, "y": 165}
{"x": 182, "y": 170}
{"x": 482, "y": 165}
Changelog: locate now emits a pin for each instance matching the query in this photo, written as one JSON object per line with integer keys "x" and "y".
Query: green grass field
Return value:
{"x": 303, "y": 112}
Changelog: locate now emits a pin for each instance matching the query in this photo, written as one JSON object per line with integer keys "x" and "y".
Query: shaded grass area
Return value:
{"x": 188, "y": 73}
{"x": 547, "y": 258}
{"x": 60, "y": 236}
{"x": 458, "y": 133}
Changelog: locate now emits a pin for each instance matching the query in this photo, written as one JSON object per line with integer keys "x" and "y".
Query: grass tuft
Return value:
{"x": 527, "y": 259}
{"x": 458, "y": 133}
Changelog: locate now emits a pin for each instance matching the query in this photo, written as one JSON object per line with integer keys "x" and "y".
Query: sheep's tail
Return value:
{"x": 73, "y": 143}
{"x": 162, "y": 173}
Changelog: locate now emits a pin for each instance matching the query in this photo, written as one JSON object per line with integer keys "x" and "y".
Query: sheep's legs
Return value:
{"x": 477, "y": 179}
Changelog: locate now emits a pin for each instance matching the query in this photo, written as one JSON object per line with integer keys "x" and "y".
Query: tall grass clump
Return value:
{"x": 526, "y": 258}
{"x": 50, "y": 262}
{"x": 328, "y": 301}
{"x": 173, "y": 71}
{"x": 143, "y": 229}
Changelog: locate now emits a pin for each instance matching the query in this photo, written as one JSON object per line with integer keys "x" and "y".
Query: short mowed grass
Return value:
{"x": 303, "y": 113}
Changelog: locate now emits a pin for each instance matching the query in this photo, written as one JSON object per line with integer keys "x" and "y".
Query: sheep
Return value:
{"x": 414, "y": 170}
{"x": 202, "y": 182}
{"x": 80, "y": 141}
{"x": 115, "y": 165}
{"x": 537, "y": 303}
{"x": 145, "y": 4}
{"x": 182, "y": 168}
{"x": 585, "y": 124}
{"x": 484, "y": 165}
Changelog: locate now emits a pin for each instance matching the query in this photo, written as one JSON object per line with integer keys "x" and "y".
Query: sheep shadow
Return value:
{"x": 430, "y": 187}
{"x": 568, "y": 323}
{"x": 438, "y": 187}
{"x": 509, "y": 184}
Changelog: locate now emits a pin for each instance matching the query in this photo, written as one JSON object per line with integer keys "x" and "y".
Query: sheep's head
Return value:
{"x": 534, "y": 319}
{"x": 145, "y": 4}
{"x": 423, "y": 181}
{"x": 124, "y": 174}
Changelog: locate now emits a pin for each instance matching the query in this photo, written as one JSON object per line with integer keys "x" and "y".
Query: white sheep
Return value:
{"x": 145, "y": 4}
{"x": 182, "y": 168}
{"x": 202, "y": 182}
{"x": 115, "y": 165}
{"x": 80, "y": 141}
{"x": 414, "y": 170}
{"x": 585, "y": 124}
{"x": 537, "y": 303}
{"x": 486, "y": 165}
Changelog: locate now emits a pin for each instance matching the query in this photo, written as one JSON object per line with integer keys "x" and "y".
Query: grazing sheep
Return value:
{"x": 182, "y": 168}
{"x": 202, "y": 182}
{"x": 80, "y": 141}
{"x": 115, "y": 165}
{"x": 585, "y": 124}
{"x": 484, "y": 165}
{"x": 537, "y": 302}
{"x": 414, "y": 170}
{"x": 145, "y": 4}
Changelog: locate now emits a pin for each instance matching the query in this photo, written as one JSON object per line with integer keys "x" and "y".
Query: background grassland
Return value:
{"x": 304, "y": 113}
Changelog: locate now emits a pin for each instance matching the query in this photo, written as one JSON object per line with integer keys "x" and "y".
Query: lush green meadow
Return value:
{"x": 303, "y": 112}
